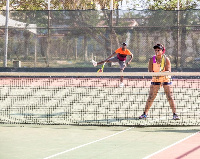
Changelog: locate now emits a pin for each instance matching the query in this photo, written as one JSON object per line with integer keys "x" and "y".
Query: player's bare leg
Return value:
{"x": 121, "y": 79}
{"x": 152, "y": 95}
{"x": 169, "y": 95}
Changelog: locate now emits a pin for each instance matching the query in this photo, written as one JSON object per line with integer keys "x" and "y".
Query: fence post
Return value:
{"x": 177, "y": 61}
{"x": 6, "y": 34}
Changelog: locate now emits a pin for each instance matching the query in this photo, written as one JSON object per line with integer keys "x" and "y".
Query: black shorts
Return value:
{"x": 161, "y": 83}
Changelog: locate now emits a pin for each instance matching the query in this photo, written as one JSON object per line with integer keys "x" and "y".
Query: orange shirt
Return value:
{"x": 156, "y": 68}
{"x": 125, "y": 52}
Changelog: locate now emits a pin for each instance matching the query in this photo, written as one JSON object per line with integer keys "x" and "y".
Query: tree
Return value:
{"x": 172, "y": 4}
{"x": 58, "y": 5}
{"x": 78, "y": 18}
{"x": 182, "y": 19}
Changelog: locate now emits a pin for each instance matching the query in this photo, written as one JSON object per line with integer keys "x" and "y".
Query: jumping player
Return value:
{"x": 121, "y": 52}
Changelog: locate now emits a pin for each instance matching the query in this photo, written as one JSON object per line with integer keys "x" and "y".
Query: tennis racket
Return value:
{"x": 162, "y": 64}
{"x": 101, "y": 69}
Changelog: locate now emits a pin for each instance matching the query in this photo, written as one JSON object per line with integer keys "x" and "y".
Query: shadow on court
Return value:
{"x": 174, "y": 130}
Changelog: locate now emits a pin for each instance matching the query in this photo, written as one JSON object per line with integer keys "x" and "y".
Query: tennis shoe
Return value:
{"x": 94, "y": 63}
{"x": 175, "y": 117}
{"x": 121, "y": 85}
{"x": 143, "y": 116}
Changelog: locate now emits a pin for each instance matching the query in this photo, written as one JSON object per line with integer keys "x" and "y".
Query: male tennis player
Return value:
{"x": 160, "y": 63}
{"x": 121, "y": 52}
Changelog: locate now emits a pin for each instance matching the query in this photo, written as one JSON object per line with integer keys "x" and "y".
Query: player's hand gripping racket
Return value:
{"x": 101, "y": 69}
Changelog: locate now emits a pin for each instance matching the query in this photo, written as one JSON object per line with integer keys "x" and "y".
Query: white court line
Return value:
{"x": 72, "y": 149}
{"x": 170, "y": 145}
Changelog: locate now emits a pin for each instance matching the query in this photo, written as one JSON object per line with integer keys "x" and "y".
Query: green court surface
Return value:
{"x": 86, "y": 142}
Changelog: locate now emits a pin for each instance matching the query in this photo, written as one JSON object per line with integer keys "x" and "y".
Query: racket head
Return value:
{"x": 101, "y": 69}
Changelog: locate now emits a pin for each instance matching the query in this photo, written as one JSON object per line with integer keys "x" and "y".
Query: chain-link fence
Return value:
{"x": 71, "y": 38}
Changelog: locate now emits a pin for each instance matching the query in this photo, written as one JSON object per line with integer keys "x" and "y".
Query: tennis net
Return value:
{"x": 86, "y": 98}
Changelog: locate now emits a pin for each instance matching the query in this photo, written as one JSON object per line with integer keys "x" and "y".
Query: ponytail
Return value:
{"x": 163, "y": 49}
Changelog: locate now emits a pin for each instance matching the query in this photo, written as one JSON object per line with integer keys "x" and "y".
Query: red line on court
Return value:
{"x": 187, "y": 149}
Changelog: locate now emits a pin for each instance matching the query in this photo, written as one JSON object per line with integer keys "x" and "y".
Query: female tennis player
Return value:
{"x": 121, "y": 52}
{"x": 160, "y": 63}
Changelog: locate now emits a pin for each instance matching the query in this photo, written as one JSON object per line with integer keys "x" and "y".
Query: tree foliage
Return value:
{"x": 58, "y": 5}
{"x": 171, "y": 4}
{"x": 94, "y": 4}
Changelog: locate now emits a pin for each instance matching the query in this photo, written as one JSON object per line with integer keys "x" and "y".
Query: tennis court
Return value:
{"x": 86, "y": 117}
{"x": 63, "y": 114}
{"x": 72, "y": 142}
